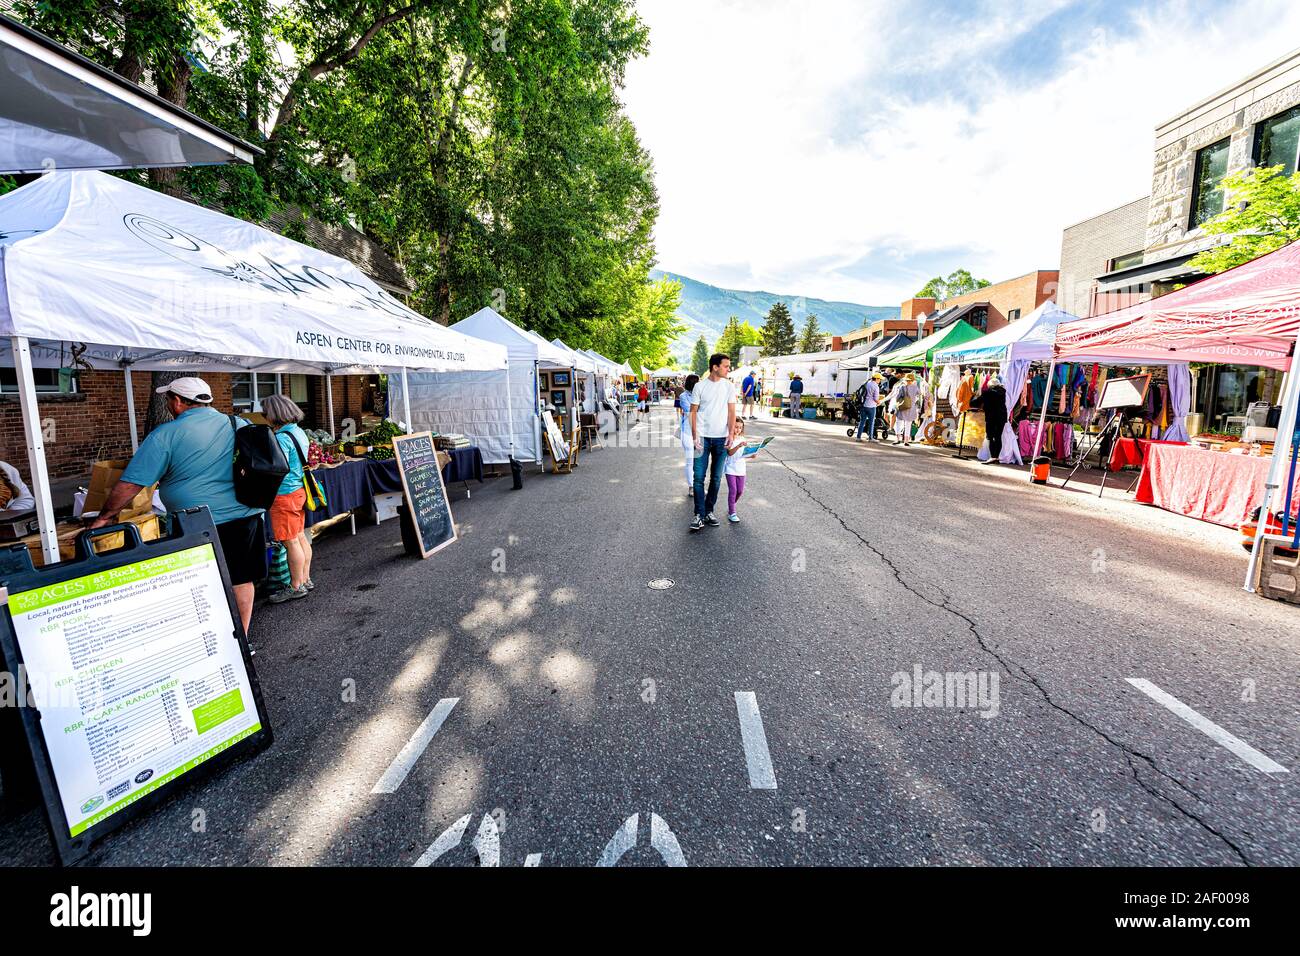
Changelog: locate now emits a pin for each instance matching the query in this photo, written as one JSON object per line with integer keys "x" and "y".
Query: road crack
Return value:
{"x": 1020, "y": 672}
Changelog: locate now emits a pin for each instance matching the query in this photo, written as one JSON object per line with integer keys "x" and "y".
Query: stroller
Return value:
{"x": 852, "y": 410}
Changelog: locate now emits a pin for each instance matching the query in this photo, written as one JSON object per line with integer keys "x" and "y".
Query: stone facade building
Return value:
{"x": 1142, "y": 249}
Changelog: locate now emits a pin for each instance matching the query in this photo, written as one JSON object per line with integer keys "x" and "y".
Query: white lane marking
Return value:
{"x": 757, "y": 757}
{"x": 449, "y": 839}
{"x": 620, "y": 842}
{"x": 487, "y": 842}
{"x": 663, "y": 840}
{"x": 1212, "y": 730}
{"x": 533, "y": 859}
{"x": 405, "y": 760}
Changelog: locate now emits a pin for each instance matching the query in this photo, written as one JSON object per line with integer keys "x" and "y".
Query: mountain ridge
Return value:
{"x": 705, "y": 309}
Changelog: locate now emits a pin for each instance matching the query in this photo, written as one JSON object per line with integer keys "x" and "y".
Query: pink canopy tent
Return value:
{"x": 1246, "y": 316}
{"x": 1249, "y": 315}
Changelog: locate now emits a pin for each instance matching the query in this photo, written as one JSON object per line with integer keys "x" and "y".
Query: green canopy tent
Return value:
{"x": 921, "y": 354}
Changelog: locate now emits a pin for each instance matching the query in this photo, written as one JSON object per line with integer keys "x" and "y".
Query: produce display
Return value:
{"x": 380, "y": 439}
{"x": 381, "y": 434}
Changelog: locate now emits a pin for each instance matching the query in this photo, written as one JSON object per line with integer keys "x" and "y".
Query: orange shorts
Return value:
{"x": 287, "y": 516}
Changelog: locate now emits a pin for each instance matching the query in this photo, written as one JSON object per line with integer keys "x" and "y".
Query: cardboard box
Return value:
{"x": 148, "y": 525}
{"x": 103, "y": 476}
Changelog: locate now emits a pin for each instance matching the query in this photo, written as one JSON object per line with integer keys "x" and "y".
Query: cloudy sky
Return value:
{"x": 851, "y": 149}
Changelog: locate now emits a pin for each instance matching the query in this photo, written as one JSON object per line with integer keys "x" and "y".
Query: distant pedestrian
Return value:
{"x": 796, "y": 396}
{"x": 868, "y": 398}
{"x": 748, "y": 388}
{"x": 642, "y": 401}
{"x": 684, "y": 424}
{"x": 905, "y": 402}
{"x": 993, "y": 402}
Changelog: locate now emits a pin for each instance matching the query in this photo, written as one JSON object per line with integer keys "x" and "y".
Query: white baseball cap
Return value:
{"x": 194, "y": 389}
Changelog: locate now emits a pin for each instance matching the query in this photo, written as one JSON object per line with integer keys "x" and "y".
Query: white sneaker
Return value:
{"x": 733, "y": 517}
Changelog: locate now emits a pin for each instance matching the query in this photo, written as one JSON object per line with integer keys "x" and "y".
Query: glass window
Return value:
{"x": 1127, "y": 261}
{"x": 46, "y": 379}
{"x": 1207, "y": 197}
{"x": 296, "y": 386}
{"x": 1277, "y": 141}
{"x": 1013, "y": 315}
{"x": 247, "y": 389}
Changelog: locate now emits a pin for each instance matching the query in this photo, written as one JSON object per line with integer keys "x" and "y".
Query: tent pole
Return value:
{"x": 406, "y": 400}
{"x": 35, "y": 448}
{"x": 1042, "y": 419}
{"x": 1281, "y": 452}
{"x": 537, "y": 417}
{"x": 130, "y": 409}
{"x": 510, "y": 413}
{"x": 329, "y": 399}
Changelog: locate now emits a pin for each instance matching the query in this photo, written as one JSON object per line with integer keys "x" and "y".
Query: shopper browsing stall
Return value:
{"x": 288, "y": 516}
{"x": 189, "y": 458}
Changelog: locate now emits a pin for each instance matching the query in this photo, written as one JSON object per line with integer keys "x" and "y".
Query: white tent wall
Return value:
{"x": 150, "y": 282}
{"x": 480, "y": 406}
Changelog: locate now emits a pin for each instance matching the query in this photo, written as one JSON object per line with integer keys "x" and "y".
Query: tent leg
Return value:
{"x": 1042, "y": 419}
{"x": 1281, "y": 452}
{"x": 130, "y": 409}
{"x": 35, "y": 448}
{"x": 406, "y": 401}
{"x": 329, "y": 402}
{"x": 510, "y": 413}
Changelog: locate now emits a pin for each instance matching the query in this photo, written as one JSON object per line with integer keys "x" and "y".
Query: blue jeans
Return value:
{"x": 867, "y": 419}
{"x": 715, "y": 450}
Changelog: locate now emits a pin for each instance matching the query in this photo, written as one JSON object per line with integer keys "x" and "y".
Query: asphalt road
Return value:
{"x": 583, "y": 697}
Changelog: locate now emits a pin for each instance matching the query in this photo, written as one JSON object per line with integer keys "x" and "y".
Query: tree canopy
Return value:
{"x": 734, "y": 336}
{"x": 1264, "y": 215}
{"x": 482, "y": 143}
{"x": 778, "y": 331}
{"x": 810, "y": 338}
{"x": 958, "y": 282}
{"x": 700, "y": 356}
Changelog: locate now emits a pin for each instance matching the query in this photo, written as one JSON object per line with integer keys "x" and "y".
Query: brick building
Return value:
{"x": 88, "y": 422}
{"x": 1111, "y": 242}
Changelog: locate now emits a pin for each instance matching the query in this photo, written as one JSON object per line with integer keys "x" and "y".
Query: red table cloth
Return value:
{"x": 1210, "y": 485}
{"x": 1133, "y": 451}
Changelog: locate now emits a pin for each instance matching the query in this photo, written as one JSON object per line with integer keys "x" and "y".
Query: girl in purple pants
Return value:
{"x": 735, "y": 470}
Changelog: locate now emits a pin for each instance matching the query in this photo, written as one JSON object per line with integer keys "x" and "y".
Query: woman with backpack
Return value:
{"x": 288, "y": 514}
{"x": 905, "y": 402}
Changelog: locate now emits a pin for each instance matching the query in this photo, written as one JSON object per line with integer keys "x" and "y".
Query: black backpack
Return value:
{"x": 259, "y": 465}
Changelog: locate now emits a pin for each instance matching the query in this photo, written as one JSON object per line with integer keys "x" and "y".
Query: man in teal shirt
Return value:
{"x": 190, "y": 459}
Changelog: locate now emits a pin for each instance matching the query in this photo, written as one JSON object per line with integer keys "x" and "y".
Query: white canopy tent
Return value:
{"x": 59, "y": 110}
{"x": 1013, "y": 348}
{"x": 587, "y": 367}
{"x": 499, "y": 409}
{"x": 149, "y": 282}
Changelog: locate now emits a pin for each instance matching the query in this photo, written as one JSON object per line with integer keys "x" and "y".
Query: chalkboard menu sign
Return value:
{"x": 426, "y": 497}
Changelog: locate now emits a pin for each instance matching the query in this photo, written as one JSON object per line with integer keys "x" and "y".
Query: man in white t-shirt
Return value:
{"x": 713, "y": 424}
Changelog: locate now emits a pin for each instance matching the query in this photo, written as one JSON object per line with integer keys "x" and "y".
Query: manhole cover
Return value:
{"x": 660, "y": 584}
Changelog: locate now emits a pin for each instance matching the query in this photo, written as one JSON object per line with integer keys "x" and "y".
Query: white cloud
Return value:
{"x": 787, "y": 147}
